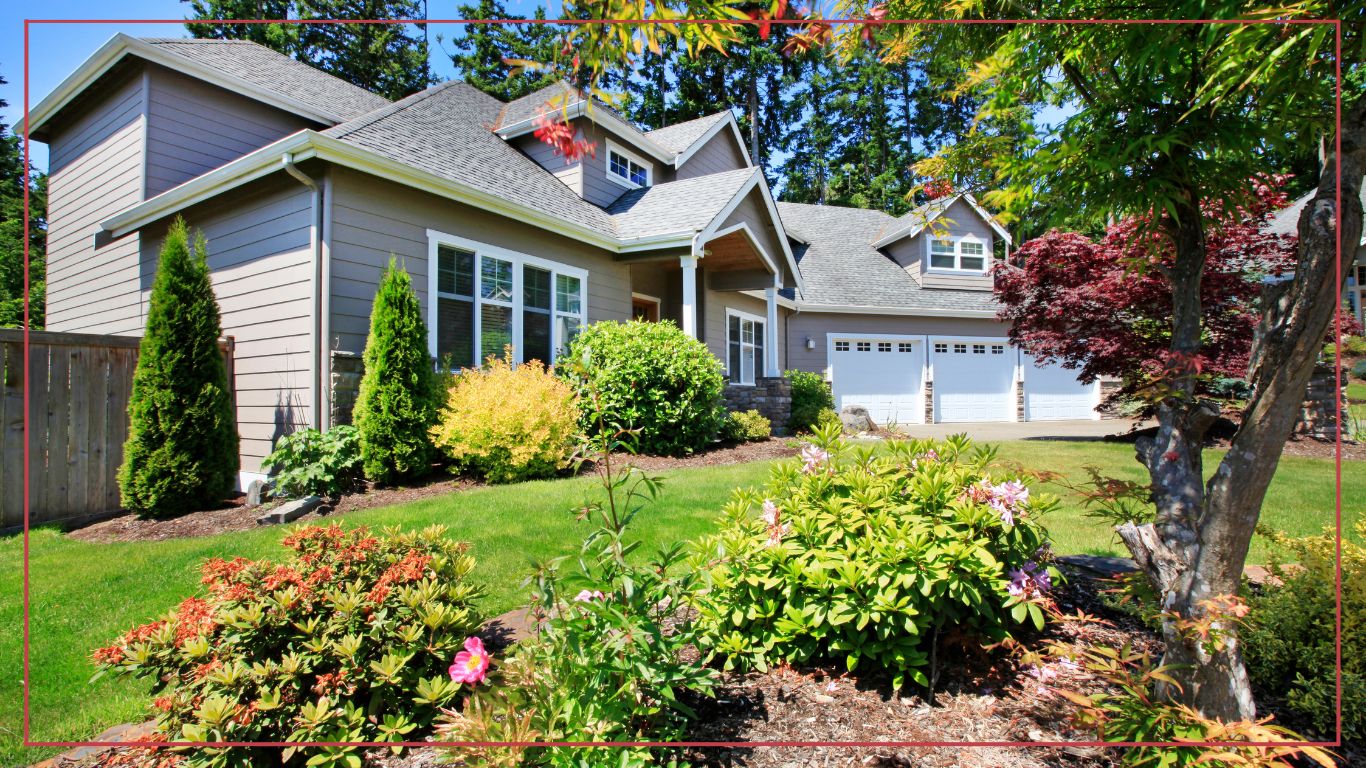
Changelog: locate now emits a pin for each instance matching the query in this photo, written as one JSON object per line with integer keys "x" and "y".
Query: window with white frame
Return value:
{"x": 744, "y": 346}
{"x": 958, "y": 254}
{"x": 487, "y": 298}
{"x": 627, "y": 169}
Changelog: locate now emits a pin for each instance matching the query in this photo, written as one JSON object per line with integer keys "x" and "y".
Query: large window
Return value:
{"x": 958, "y": 255}
{"x": 744, "y": 346}
{"x": 488, "y": 298}
{"x": 625, "y": 168}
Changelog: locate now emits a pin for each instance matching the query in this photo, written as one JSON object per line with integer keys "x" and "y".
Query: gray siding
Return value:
{"x": 818, "y": 324}
{"x": 571, "y": 173}
{"x": 597, "y": 188}
{"x": 959, "y": 219}
{"x": 718, "y": 155}
{"x": 261, "y": 260}
{"x": 715, "y": 304}
{"x": 95, "y": 166}
{"x": 373, "y": 219}
{"x": 194, "y": 127}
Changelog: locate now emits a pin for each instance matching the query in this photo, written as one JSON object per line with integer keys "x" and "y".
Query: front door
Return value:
{"x": 645, "y": 309}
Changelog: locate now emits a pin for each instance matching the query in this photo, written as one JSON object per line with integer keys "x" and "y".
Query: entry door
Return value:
{"x": 973, "y": 380}
{"x": 881, "y": 375}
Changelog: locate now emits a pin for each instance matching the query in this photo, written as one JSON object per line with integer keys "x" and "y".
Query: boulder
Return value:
{"x": 290, "y": 511}
{"x": 855, "y": 419}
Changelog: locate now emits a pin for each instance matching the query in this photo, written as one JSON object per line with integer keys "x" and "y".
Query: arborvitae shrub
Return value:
{"x": 652, "y": 378}
{"x": 397, "y": 404}
{"x": 181, "y": 453}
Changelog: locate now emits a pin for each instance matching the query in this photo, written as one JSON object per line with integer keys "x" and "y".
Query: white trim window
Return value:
{"x": 487, "y": 298}
{"x": 626, "y": 168}
{"x": 961, "y": 254}
{"x": 744, "y": 346}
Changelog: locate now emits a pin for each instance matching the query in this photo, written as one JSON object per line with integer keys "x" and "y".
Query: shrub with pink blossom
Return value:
{"x": 865, "y": 554}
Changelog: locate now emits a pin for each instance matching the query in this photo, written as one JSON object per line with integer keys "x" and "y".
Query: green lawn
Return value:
{"x": 85, "y": 594}
{"x": 1356, "y": 403}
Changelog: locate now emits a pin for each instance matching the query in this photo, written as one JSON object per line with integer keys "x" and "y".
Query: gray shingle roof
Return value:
{"x": 840, "y": 266}
{"x": 1286, "y": 221}
{"x": 680, "y": 136}
{"x": 676, "y": 206}
{"x": 560, "y": 94}
{"x": 266, "y": 68}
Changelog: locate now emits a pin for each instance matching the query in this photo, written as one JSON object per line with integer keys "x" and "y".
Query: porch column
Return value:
{"x": 689, "y": 309}
{"x": 771, "y": 333}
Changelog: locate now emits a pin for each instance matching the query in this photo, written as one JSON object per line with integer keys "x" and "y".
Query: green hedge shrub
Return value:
{"x": 1359, "y": 370}
{"x": 651, "y": 378}
{"x": 181, "y": 453}
{"x": 308, "y": 462}
{"x": 747, "y": 426}
{"x": 862, "y": 556}
{"x": 1288, "y": 634}
{"x": 509, "y": 422}
{"x": 810, "y": 396}
{"x": 348, "y": 640}
{"x": 397, "y": 403}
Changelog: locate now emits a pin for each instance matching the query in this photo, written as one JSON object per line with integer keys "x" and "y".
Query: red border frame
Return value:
{"x": 1337, "y": 433}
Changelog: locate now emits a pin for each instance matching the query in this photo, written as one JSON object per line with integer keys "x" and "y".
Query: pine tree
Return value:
{"x": 397, "y": 404}
{"x": 182, "y": 449}
{"x": 483, "y": 51}
{"x": 12, "y": 180}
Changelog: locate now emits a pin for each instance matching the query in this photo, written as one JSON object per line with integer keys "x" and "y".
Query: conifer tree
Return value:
{"x": 182, "y": 449}
{"x": 398, "y": 400}
{"x": 12, "y": 180}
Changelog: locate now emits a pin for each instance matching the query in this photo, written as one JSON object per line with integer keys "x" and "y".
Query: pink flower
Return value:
{"x": 1006, "y": 514}
{"x": 472, "y": 664}
{"x": 587, "y": 597}
{"x": 777, "y": 532}
{"x": 770, "y": 515}
{"x": 812, "y": 457}
{"x": 1012, "y": 492}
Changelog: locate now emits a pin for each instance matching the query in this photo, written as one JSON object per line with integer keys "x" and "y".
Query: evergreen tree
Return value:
{"x": 397, "y": 404}
{"x": 182, "y": 449}
{"x": 388, "y": 59}
{"x": 485, "y": 54}
{"x": 12, "y": 180}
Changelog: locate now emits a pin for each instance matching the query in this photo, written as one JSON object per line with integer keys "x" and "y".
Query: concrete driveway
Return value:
{"x": 1087, "y": 429}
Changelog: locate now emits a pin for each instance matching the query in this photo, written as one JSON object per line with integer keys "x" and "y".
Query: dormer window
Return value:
{"x": 626, "y": 169}
{"x": 958, "y": 255}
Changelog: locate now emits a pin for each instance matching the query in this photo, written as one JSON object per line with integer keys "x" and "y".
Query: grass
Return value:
{"x": 84, "y": 594}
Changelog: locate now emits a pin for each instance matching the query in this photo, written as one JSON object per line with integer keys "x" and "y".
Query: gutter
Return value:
{"x": 316, "y": 310}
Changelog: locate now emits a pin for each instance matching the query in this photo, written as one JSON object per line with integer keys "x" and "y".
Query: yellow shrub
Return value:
{"x": 508, "y": 422}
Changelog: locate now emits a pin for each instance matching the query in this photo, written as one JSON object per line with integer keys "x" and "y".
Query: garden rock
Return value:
{"x": 257, "y": 492}
{"x": 855, "y": 419}
{"x": 290, "y": 511}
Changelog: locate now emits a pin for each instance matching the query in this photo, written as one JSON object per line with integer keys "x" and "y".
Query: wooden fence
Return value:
{"x": 78, "y": 422}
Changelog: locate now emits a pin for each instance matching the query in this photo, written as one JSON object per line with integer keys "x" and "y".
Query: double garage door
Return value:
{"x": 973, "y": 379}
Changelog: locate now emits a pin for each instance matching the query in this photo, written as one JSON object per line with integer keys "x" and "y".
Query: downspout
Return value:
{"x": 314, "y": 246}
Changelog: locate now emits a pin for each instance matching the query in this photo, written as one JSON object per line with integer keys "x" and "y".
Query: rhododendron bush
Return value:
{"x": 351, "y": 639}
{"x": 873, "y": 557}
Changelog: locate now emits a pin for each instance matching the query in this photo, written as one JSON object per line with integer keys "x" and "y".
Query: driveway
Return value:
{"x": 1081, "y": 429}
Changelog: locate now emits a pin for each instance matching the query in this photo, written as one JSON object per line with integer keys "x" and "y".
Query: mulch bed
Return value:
{"x": 722, "y": 454}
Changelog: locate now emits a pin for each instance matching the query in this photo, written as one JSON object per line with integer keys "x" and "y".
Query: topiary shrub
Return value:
{"x": 509, "y": 422}
{"x": 864, "y": 556}
{"x": 182, "y": 449}
{"x": 308, "y": 462}
{"x": 1288, "y": 635}
{"x": 810, "y": 396}
{"x": 397, "y": 404}
{"x": 747, "y": 426}
{"x": 348, "y": 640}
{"x": 653, "y": 379}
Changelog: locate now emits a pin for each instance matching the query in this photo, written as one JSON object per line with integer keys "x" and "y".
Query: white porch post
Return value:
{"x": 771, "y": 333}
{"x": 689, "y": 265}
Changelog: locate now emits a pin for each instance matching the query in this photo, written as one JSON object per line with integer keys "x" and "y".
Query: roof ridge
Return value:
{"x": 390, "y": 109}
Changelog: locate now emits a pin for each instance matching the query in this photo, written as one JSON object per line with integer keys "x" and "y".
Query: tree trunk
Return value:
{"x": 1197, "y": 548}
{"x": 753, "y": 95}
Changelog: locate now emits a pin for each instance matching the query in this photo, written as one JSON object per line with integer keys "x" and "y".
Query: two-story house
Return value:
{"x": 304, "y": 185}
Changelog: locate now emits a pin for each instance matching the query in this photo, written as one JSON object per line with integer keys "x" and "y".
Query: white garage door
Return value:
{"x": 973, "y": 380}
{"x": 882, "y": 375}
{"x": 1053, "y": 393}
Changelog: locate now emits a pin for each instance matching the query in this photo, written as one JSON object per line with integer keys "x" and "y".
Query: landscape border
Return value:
{"x": 1337, "y": 433}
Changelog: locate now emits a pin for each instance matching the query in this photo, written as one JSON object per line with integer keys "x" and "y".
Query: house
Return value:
{"x": 1286, "y": 221}
{"x": 305, "y": 185}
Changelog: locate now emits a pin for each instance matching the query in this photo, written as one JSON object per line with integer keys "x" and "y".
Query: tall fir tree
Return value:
{"x": 13, "y": 177}
{"x": 388, "y": 59}
{"x": 486, "y": 55}
{"x": 182, "y": 449}
{"x": 398, "y": 400}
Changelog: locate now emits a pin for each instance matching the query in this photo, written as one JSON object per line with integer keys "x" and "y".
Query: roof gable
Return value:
{"x": 920, "y": 218}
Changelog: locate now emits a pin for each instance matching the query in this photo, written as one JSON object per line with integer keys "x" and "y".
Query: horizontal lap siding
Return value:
{"x": 960, "y": 219}
{"x": 262, "y": 267}
{"x": 96, "y": 171}
{"x": 571, "y": 173}
{"x": 373, "y": 219}
{"x": 194, "y": 127}
{"x": 597, "y": 188}
{"x": 718, "y": 155}
{"x": 818, "y": 325}
{"x": 714, "y": 320}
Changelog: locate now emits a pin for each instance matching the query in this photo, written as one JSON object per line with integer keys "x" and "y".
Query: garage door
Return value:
{"x": 882, "y": 375}
{"x": 973, "y": 380}
{"x": 1053, "y": 393}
